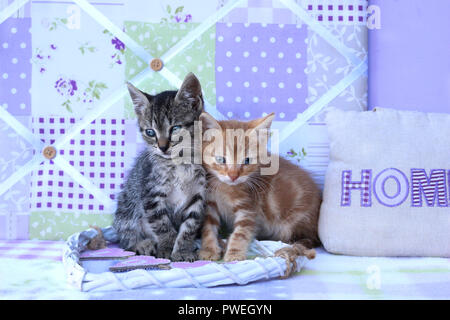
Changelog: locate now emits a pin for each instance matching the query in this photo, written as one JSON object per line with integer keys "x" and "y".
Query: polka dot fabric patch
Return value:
{"x": 15, "y": 67}
{"x": 260, "y": 68}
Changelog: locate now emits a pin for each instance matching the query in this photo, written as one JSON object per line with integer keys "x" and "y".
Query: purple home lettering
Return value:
{"x": 391, "y": 187}
{"x": 432, "y": 188}
{"x": 363, "y": 186}
{"x": 402, "y": 187}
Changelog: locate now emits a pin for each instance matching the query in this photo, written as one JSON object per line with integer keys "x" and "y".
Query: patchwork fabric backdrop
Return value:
{"x": 64, "y": 65}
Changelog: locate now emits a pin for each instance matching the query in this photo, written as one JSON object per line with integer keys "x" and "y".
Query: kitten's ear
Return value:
{"x": 263, "y": 123}
{"x": 208, "y": 122}
{"x": 191, "y": 91}
{"x": 140, "y": 100}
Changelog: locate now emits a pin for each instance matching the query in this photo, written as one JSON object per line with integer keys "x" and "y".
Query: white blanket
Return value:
{"x": 326, "y": 277}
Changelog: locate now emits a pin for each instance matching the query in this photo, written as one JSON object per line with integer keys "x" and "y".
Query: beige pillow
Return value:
{"x": 387, "y": 185}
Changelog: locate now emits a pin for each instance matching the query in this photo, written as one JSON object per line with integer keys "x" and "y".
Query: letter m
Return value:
{"x": 431, "y": 188}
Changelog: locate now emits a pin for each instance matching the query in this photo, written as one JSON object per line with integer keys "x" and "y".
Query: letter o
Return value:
{"x": 379, "y": 187}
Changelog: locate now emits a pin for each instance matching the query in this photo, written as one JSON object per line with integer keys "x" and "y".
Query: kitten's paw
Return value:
{"x": 290, "y": 256}
{"x": 184, "y": 256}
{"x": 146, "y": 248}
{"x": 235, "y": 256}
{"x": 310, "y": 254}
{"x": 164, "y": 252}
{"x": 210, "y": 254}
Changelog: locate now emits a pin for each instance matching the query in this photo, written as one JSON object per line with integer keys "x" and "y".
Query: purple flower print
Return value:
{"x": 300, "y": 156}
{"x": 188, "y": 18}
{"x": 66, "y": 87}
{"x": 86, "y": 99}
{"x": 118, "y": 61}
{"x": 59, "y": 83}
{"x": 179, "y": 18}
{"x": 41, "y": 57}
{"x": 119, "y": 45}
{"x": 72, "y": 86}
{"x": 77, "y": 92}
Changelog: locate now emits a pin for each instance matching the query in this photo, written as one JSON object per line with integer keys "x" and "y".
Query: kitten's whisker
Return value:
{"x": 260, "y": 182}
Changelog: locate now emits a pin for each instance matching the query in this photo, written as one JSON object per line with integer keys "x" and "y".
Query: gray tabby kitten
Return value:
{"x": 161, "y": 208}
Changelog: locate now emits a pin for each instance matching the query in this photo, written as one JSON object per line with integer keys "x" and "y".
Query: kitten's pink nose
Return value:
{"x": 163, "y": 144}
{"x": 233, "y": 175}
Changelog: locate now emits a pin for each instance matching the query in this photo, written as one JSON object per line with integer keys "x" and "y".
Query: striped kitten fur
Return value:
{"x": 283, "y": 206}
{"x": 161, "y": 208}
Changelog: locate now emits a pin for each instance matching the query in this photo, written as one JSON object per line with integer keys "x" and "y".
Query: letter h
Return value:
{"x": 364, "y": 186}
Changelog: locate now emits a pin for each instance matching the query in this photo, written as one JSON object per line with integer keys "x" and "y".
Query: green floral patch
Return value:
{"x": 299, "y": 156}
{"x": 158, "y": 38}
{"x": 50, "y": 225}
{"x": 57, "y": 22}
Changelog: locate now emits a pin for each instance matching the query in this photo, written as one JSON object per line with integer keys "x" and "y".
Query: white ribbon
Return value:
{"x": 173, "y": 79}
{"x": 321, "y": 31}
{"x": 21, "y": 129}
{"x": 107, "y": 24}
{"x": 9, "y": 10}
{"x": 172, "y": 52}
{"x": 361, "y": 67}
{"x": 202, "y": 28}
{"x": 78, "y": 177}
{"x": 19, "y": 174}
{"x": 324, "y": 100}
{"x": 98, "y": 110}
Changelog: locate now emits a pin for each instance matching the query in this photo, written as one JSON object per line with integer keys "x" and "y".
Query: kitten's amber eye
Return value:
{"x": 247, "y": 161}
{"x": 220, "y": 160}
{"x": 150, "y": 132}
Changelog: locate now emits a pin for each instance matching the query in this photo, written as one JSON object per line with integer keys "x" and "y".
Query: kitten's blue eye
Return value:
{"x": 247, "y": 161}
{"x": 150, "y": 132}
{"x": 220, "y": 160}
{"x": 175, "y": 129}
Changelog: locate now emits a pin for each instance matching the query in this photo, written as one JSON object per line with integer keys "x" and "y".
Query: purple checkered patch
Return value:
{"x": 97, "y": 153}
{"x": 26, "y": 249}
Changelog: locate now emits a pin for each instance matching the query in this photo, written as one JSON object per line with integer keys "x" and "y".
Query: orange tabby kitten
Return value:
{"x": 282, "y": 206}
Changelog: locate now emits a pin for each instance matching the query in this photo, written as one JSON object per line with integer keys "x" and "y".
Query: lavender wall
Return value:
{"x": 410, "y": 56}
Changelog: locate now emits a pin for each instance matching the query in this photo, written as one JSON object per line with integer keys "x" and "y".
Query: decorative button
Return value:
{"x": 156, "y": 64}
{"x": 49, "y": 152}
